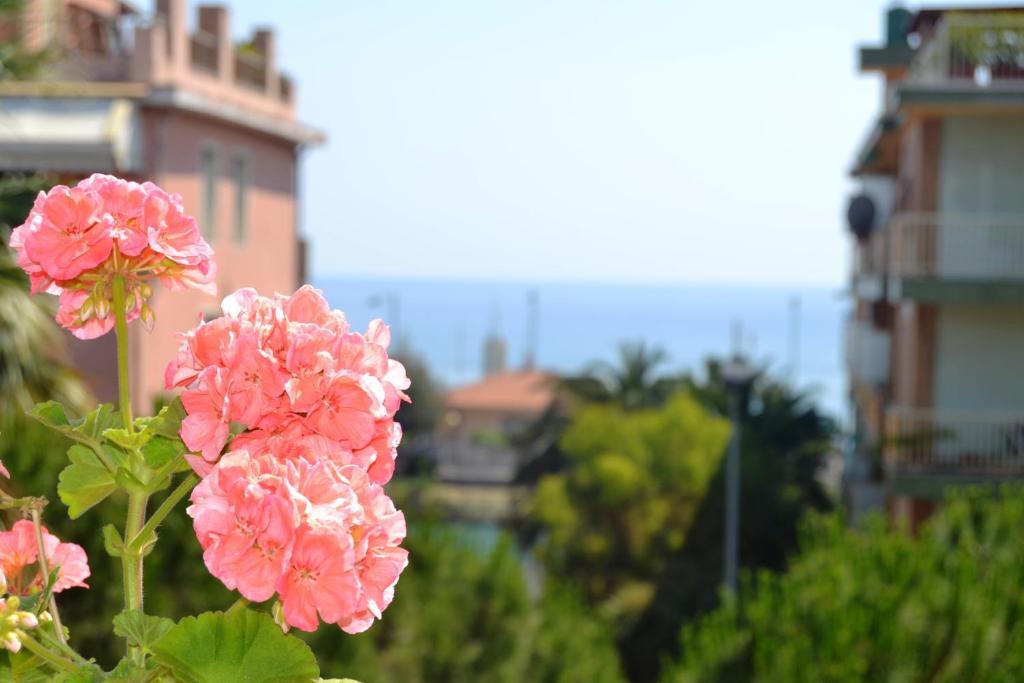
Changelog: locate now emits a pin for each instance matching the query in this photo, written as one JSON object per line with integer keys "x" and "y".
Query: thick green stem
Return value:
{"x": 131, "y": 561}
{"x": 124, "y": 385}
{"x": 136, "y": 543}
{"x": 51, "y": 658}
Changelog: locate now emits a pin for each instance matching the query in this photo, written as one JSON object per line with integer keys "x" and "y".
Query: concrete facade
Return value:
{"x": 941, "y": 273}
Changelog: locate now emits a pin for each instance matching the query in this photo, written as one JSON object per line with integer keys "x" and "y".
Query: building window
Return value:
{"x": 241, "y": 174}
{"x": 208, "y": 172}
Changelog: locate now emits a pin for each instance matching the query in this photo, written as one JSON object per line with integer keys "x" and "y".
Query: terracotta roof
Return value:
{"x": 522, "y": 391}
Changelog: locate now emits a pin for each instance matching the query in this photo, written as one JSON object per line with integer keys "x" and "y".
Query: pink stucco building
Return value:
{"x": 195, "y": 112}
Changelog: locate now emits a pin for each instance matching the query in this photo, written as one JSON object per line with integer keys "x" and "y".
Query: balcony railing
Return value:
{"x": 203, "y": 49}
{"x": 927, "y": 441}
{"x": 250, "y": 70}
{"x": 973, "y": 49}
{"x": 867, "y": 353}
{"x": 976, "y": 247}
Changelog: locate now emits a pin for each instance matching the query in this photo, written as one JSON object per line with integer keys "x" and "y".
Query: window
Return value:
{"x": 208, "y": 172}
{"x": 241, "y": 174}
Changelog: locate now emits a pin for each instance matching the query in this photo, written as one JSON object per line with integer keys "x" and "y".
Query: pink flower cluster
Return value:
{"x": 289, "y": 368}
{"x": 19, "y": 550}
{"x": 296, "y": 506}
{"x": 319, "y": 534}
{"x": 76, "y": 239}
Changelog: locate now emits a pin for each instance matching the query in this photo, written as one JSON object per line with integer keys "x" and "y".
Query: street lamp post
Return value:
{"x": 738, "y": 376}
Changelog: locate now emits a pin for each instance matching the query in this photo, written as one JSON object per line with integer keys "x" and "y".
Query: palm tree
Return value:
{"x": 633, "y": 383}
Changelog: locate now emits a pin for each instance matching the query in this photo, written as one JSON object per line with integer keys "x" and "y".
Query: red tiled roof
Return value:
{"x": 522, "y": 391}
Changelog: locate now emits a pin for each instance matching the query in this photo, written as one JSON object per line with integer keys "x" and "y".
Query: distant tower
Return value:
{"x": 495, "y": 349}
{"x": 532, "y": 329}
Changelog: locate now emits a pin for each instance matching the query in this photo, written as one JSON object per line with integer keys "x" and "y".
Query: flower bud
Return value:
{"x": 12, "y": 603}
{"x": 27, "y": 620}
{"x": 147, "y": 317}
{"x": 145, "y": 290}
{"x": 86, "y": 310}
{"x": 11, "y": 642}
{"x": 45, "y": 617}
{"x": 12, "y": 619}
{"x": 102, "y": 308}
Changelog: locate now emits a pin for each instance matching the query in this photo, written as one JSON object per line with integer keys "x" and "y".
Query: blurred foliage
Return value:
{"x": 17, "y": 63}
{"x": 634, "y": 382}
{"x": 463, "y": 615}
{"x": 876, "y": 604}
{"x": 784, "y": 446}
{"x": 627, "y": 498}
{"x": 419, "y": 418}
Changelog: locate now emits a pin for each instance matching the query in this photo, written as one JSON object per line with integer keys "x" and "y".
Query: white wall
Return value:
{"x": 981, "y": 164}
{"x": 979, "y": 360}
{"x": 981, "y": 173}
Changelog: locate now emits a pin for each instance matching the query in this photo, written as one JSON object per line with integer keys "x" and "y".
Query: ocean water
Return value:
{"x": 794, "y": 331}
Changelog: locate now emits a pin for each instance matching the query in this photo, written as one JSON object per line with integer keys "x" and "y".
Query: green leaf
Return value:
{"x": 141, "y": 629}
{"x": 242, "y": 646}
{"x": 112, "y": 541}
{"x": 160, "y": 450}
{"x": 167, "y": 422}
{"x": 51, "y": 414}
{"x": 125, "y": 439}
{"x": 85, "y": 482}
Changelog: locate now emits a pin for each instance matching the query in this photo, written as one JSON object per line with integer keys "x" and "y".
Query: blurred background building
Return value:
{"x": 936, "y": 335}
{"x": 196, "y": 112}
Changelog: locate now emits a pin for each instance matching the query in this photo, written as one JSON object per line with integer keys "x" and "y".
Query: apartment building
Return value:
{"x": 935, "y": 341}
{"x": 145, "y": 97}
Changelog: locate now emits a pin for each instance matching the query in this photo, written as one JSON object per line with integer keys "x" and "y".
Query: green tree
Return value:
{"x": 877, "y": 604}
{"x": 636, "y": 381}
{"x": 785, "y": 442}
{"x": 627, "y": 499}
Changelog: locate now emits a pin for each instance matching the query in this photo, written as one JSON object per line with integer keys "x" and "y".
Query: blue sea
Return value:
{"x": 795, "y": 332}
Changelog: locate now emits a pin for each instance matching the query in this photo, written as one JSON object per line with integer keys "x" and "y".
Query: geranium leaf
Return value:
{"x": 85, "y": 482}
{"x": 241, "y": 646}
{"x": 141, "y": 629}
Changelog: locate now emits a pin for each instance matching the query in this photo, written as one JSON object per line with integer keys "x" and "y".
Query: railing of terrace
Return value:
{"x": 929, "y": 441}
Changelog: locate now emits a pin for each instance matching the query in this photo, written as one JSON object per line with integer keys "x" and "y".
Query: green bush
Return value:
{"x": 627, "y": 500}
{"x": 876, "y": 604}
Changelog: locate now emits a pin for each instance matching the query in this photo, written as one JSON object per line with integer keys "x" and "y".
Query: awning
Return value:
{"x": 69, "y": 134}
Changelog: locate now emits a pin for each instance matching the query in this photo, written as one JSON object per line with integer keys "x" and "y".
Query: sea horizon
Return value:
{"x": 446, "y": 320}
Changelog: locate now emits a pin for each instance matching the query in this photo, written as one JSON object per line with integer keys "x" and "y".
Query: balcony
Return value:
{"x": 973, "y": 50}
{"x": 964, "y": 258}
{"x": 954, "y": 444}
{"x": 867, "y": 353}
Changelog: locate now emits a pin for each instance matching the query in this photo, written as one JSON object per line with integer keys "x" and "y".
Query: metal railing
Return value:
{"x": 867, "y": 352}
{"x": 973, "y": 49}
{"x": 929, "y": 441}
{"x": 967, "y": 246}
{"x": 950, "y": 246}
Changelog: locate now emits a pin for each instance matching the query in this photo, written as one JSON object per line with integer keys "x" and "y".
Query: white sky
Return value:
{"x": 635, "y": 140}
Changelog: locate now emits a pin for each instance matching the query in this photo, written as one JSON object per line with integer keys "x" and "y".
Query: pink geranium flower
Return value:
{"x": 77, "y": 240}
{"x": 68, "y": 232}
{"x": 206, "y": 428}
{"x": 320, "y": 580}
{"x": 19, "y": 551}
